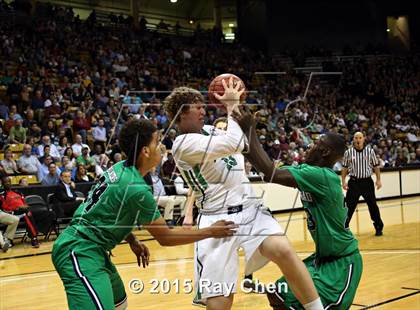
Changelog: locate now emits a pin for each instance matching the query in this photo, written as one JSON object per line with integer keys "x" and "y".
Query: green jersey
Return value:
{"x": 120, "y": 201}
{"x": 323, "y": 201}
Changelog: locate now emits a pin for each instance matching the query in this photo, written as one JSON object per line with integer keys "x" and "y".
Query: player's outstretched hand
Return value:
{"x": 223, "y": 228}
{"x": 232, "y": 95}
{"x": 142, "y": 253}
{"x": 244, "y": 118}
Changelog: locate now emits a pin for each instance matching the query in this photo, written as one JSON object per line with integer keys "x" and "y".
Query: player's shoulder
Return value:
{"x": 191, "y": 140}
{"x": 313, "y": 170}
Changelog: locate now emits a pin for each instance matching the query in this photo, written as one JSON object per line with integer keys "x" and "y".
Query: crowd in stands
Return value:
{"x": 65, "y": 93}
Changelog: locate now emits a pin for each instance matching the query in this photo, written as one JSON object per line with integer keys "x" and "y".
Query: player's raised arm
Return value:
{"x": 256, "y": 154}
{"x": 171, "y": 237}
{"x": 185, "y": 106}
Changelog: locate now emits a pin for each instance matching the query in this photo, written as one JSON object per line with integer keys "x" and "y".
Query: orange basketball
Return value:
{"x": 216, "y": 86}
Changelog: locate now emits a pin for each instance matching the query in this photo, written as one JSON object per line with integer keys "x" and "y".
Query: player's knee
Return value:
{"x": 278, "y": 249}
{"x": 122, "y": 305}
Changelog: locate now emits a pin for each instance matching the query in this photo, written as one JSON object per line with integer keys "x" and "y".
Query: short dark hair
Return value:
{"x": 337, "y": 143}
{"x": 140, "y": 131}
{"x": 65, "y": 171}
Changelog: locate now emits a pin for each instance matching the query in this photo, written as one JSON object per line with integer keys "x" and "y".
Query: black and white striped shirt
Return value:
{"x": 360, "y": 163}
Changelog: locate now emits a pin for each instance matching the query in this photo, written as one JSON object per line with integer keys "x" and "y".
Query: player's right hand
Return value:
{"x": 223, "y": 228}
{"x": 345, "y": 187}
{"x": 232, "y": 95}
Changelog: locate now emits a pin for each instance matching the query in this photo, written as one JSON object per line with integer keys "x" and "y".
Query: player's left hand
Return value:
{"x": 378, "y": 184}
{"x": 142, "y": 253}
{"x": 244, "y": 118}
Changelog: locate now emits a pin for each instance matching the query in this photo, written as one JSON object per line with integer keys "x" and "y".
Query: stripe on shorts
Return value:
{"x": 86, "y": 283}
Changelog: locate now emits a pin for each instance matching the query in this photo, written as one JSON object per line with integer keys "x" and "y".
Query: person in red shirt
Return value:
{"x": 81, "y": 125}
{"x": 14, "y": 203}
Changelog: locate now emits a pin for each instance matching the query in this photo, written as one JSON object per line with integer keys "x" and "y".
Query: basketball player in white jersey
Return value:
{"x": 211, "y": 162}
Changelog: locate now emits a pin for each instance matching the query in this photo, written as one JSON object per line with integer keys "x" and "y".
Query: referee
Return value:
{"x": 359, "y": 161}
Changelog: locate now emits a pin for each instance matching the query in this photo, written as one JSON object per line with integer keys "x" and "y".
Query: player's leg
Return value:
{"x": 266, "y": 241}
{"x": 217, "y": 266}
{"x": 279, "y": 250}
{"x": 368, "y": 194}
{"x": 336, "y": 281}
{"x": 81, "y": 266}
{"x": 120, "y": 296}
{"x": 220, "y": 302}
{"x": 352, "y": 198}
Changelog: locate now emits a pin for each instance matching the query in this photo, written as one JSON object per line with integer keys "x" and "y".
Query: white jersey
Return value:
{"x": 213, "y": 166}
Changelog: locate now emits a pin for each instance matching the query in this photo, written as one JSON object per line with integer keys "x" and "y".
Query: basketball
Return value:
{"x": 216, "y": 86}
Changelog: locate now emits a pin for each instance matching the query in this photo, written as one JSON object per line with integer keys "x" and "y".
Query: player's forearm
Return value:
{"x": 257, "y": 156}
{"x": 174, "y": 237}
{"x": 189, "y": 205}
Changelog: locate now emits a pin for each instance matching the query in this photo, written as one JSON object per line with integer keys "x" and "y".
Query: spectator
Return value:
{"x": 168, "y": 166}
{"x": 43, "y": 170}
{"x": 81, "y": 175}
{"x": 99, "y": 133}
{"x": 28, "y": 163}
{"x": 34, "y": 132}
{"x": 50, "y": 130}
{"x": 3, "y": 138}
{"x": 169, "y": 139}
{"x": 85, "y": 159}
{"x": 65, "y": 196}
{"x": 78, "y": 146}
{"x": 52, "y": 177}
{"x": 17, "y": 133}
{"x": 23, "y": 182}
{"x": 29, "y": 118}
{"x": 63, "y": 144}
{"x": 249, "y": 172}
{"x": 12, "y": 222}
{"x": 34, "y": 149}
{"x": 180, "y": 186}
{"x": 14, "y": 203}
{"x": 81, "y": 125}
{"x": 168, "y": 202}
{"x": 8, "y": 163}
{"x": 67, "y": 165}
{"x": 46, "y": 140}
{"x": 69, "y": 153}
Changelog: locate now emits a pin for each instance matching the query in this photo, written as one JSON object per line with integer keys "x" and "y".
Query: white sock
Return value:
{"x": 314, "y": 305}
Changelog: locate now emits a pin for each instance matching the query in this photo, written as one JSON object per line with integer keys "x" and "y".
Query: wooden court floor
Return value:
{"x": 391, "y": 277}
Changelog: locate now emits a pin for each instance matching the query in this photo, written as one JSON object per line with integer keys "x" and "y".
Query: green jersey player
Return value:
{"x": 336, "y": 266}
{"x": 120, "y": 201}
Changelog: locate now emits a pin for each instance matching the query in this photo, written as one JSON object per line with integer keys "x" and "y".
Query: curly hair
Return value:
{"x": 181, "y": 98}
{"x": 135, "y": 135}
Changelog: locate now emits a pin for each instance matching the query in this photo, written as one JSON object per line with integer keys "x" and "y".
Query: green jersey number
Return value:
{"x": 96, "y": 195}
